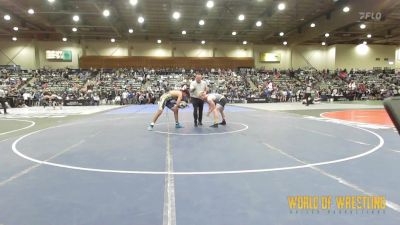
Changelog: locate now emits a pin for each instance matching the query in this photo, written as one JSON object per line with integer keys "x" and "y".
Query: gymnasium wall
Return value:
{"x": 18, "y": 53}
{"x": 397, "y": 61}
{"x": 31, "y": 54}
{"x": 364, "y": 56}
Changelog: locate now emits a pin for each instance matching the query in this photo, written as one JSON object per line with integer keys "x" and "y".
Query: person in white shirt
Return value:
{"x": 197, "y": 87}
{"x": 216, "y": 104}
{"x": 3, "y": 100}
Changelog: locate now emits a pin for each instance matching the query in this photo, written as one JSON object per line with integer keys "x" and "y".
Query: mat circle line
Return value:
{"x": 17, "y": 152}
{"x": 32, "y": 123}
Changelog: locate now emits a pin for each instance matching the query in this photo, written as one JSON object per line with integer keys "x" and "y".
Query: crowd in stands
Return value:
{"x": 143, "y": 86}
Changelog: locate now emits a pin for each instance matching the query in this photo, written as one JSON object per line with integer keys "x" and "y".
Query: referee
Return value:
{"x": 3, "y": 100}
{"x": 307, "y": 95}
{"x": 196, "y": 88}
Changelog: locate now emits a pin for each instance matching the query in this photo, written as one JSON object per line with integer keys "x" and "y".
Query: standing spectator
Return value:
{"x": 3, "y": 100}
{"x": 197, "y": 87}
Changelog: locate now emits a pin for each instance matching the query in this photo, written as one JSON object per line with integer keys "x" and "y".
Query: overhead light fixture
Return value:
{"x": 15, "y": 28}
{"x": 326, "y": 34}
{"x": 7, "y": 17}
{"x": 285, "y": 43}
{"x": 259, "y": 23}
{"x": 201, "y": 22}
{"x": 133, "y": 2}
{"x": 241, "y": 17}
{"x": 130, "y": 30}
{"x": 365, "y": 43}
{"x": 74, "y": 29}
{"x": 391, "y": 62}
{"x": 346, "y": 9}
{"x": 140, "y": 19}
{"x": 106, "y": 13}
{"x": 281, "y": 6}
{"x": 203, "y": 42}
{"x": 369, "y": 36}
{"x": 51, "y": 1}
{"x": 245, "y": 42}
{"x": 64, "y": 39}
{"x": 312, "y": 25}
{"x": 176, "y": 15}
{"x": 234, "y": 33}
{"x": 210, "y": 4}
{"x": 75, "y": 18}
{"x": 281, "y": 34}
{"x": 184, "y": 32}
{"x": 112, "y": 40}
{"x": 14, "y": 39}
{"x": 159, "y": 41}
{"x": 363, "y": 26}
{"x": 31, "y": 11}
{"x": 323, "y": 43}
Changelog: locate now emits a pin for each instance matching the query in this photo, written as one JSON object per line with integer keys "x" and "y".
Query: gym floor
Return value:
{"x": 106, "y": 168}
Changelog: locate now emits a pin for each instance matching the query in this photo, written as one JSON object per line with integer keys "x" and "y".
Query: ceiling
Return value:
{"x": 52, "y": 21}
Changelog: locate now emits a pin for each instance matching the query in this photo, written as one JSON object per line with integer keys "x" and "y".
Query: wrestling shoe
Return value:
{"x": 215, "y": 125}
{"x": 150, "y": 127}
{"x": 223, "y": 122}
{"x": 178, "y": 125}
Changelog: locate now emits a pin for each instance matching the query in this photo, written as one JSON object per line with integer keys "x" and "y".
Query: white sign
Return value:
{"x": 52, "y": 54}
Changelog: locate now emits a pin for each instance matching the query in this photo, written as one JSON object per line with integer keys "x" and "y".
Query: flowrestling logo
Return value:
{"x": 370, "y": 16}
{"x": 347, "y": 204}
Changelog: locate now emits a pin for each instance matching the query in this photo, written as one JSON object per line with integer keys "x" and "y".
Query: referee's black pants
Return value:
{"x": 3, "y": 104}
{"x": 307, "y": 96}
{"x": 197, "y": 109}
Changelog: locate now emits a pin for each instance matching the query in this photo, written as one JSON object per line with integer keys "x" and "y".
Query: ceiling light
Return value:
{"x": 133, "y": 2}
{"x": 285, "y": 43}
{"x": 159, "y": 41}
{"x": 106, "y": 13}
{"x": 201, "y": 22}
{"x": 74, "y": 29}
{"x": 281, "y": 34}
{"x": 365, "y": 43}
{"x": 210, "y": 4}
{"x": 75, "y": 18}
{"x": 281, "y": 6}
{"x": 15, "y": 28}
{"x": 323, "y": 43}
{"x": 31, "y": 11}
{"x": 112, "y": 40}
{"x": 363, "y": 26}
{"x": 391, "y": 62}
{"x": 312, "y": 25}
{"x": 241, "y": 17}
{"x": 7, "y": 17}
{"x": 176, "y": 15}
{"x": 258, "y": 23}
{"x": 51, "y": 1}
{"x": 130, "y": 31}
{"x": 346, "y": 9}
{"x": 140, "y": 19}
{"x": 184, "y": 32}
{"x": 245, "y": 42}
{"x": 369, "y": 36}
{"x": 203, "y": 42}
{"x": 326, "y": 34}
{"x": 14, "y": 39}
{"x": 64, "y": 39}
{"x": 234, "y": 33}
